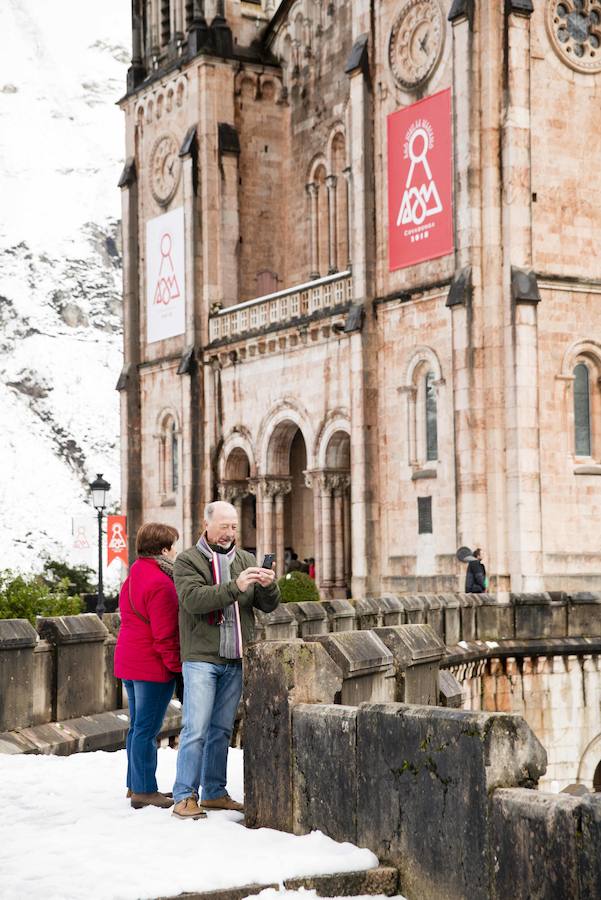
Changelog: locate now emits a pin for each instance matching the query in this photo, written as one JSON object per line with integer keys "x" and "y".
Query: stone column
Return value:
{"x": 522, "y": 435}
{"x": 129, "y": 382}
{"x": 313, "y": 482}
{"x": 331, "y": 182}
{"x": 348, "y": 183}
{"x": 234, "y": 492}
{"x": 267, "y": 528}
{"x": 347, "y": 535}
{"x": 327, "y": 576}
{"x": 191, "y": 374}
{"x": 313, "y": 192}
{"x": 339, "y": 537}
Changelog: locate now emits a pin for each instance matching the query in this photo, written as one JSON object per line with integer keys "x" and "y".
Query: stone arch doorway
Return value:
{"x": 236, "y": 489}
{"x": 597, "y": 779}
{"x": 286, "y": 501}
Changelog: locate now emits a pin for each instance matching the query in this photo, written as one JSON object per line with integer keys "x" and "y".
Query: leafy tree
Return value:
{"x": 296, "y": 587}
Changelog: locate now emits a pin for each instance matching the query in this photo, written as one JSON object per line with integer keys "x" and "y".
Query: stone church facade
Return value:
{"x": 374, "y": 416}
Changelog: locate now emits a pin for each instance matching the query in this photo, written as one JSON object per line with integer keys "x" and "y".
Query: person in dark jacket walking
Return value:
{"x": 218, "y": 587}
{"x": 147, "y": 656}
{"x": 475, "y": 577}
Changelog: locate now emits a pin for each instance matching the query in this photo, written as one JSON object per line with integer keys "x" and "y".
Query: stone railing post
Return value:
{"x": 17, "y": 642}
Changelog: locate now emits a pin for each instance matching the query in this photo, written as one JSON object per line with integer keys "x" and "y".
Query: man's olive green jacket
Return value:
{"x": 198, "y": 596}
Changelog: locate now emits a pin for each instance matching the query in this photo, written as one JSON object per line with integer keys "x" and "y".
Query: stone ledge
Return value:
{"x": 383, "y": 880}
{"x": 103, "y": 731}
{"x": 471, "y": 651}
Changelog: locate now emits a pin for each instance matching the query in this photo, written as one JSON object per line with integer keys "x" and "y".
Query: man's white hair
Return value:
{"x": 212, "y": 508}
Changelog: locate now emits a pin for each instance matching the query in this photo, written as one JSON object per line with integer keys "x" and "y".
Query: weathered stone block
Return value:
{"x": 310, "y": 616}
{"x": 17, "y": 641}
{"x": 341, "y": 615}
{"x": 469, "y": 604}
{"x": 534, "y": 845}
{"x": 450, "y": 692}
{"x": 451, "y": 614}
{"x": 325, "y": 771}
{"x": 393, "y": 611}
{"x": 78, "y": 643}
{"x": 416, "y": 654}
{"x": 537, "y": 616}
{"x": 584, "y": 614}
{"x": 415, "y": 608}
{"x": 113, "y": 687}
{"x": 112, "y": 621}
{"x": 279, "y": 675}
{"x": 366, "y": 666}
{"x": 43, "y": 683}
{"x": 589, "y": 865}
{"x": 434, "y": 613}
{"x": 279, "y": 625}
{"x": 494, "y": 619}
{"x": 368, "y": 614}
{"x": 379, "y": 882}
{"x": 436, "y": 768}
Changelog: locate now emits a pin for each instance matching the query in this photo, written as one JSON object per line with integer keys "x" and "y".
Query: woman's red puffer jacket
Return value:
{"x": 148, "y": 651}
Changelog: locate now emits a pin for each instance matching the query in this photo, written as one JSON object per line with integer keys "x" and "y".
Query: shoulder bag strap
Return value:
{"x": 133, "y": 608}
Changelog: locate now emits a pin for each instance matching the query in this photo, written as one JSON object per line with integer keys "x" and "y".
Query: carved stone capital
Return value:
{"x": 232, "y": 491}
{"x": 312, "y": 188}
{"x": 331, "y": 181}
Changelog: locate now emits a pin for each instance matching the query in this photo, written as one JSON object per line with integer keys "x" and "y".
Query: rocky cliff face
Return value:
{"x": 61, "y": 147}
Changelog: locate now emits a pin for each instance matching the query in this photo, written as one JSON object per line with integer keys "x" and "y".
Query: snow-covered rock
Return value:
{"x": 62, "y": 67}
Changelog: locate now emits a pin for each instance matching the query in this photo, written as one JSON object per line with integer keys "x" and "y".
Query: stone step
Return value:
{"x": 383, "y": 880}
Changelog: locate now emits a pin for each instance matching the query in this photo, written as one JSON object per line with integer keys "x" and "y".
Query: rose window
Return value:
{"x": 575, "y": 30}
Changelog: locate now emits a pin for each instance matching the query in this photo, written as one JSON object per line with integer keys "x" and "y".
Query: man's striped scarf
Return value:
{"x": 228, "y": 619}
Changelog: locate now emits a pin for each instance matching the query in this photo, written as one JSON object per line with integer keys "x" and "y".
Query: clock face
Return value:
{"x": 165, "y": 166}
{"x": 416, "y": 42}
{"x": 574, "y": 27}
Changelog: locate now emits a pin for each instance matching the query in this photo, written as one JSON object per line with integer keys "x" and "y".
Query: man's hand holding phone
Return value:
{"x": 267, "y": 574}
{"x": 255, "y": 575}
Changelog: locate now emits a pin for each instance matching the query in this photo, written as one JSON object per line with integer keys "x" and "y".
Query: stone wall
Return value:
{"x": 59, "y": 694}
{"x": 447, "y": 796}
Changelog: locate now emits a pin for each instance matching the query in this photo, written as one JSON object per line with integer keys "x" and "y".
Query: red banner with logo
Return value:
{"x": 420, "y": 182}
{"x": 116, "y": 539}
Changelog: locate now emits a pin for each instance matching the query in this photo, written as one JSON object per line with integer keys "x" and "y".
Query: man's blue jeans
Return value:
{"x": 211, "y": 696}
{"x": 148, "y": 702}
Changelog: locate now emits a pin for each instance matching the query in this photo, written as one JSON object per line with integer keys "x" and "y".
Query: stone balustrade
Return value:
{"x": 282, "y": 307}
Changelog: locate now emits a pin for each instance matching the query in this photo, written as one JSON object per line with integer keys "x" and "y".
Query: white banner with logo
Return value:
{"x": 165, "y": 276}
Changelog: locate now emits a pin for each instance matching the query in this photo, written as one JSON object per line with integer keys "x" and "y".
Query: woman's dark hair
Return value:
{"x": 478, "y": 553}
{"x": 154, "y": 537}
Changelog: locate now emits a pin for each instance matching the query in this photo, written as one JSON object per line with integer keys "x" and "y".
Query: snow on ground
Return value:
{"x": 67, "y": 832}
{"x": 61, "y": 153}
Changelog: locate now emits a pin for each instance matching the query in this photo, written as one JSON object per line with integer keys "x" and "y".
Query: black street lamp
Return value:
{"x": 100, "y": 488}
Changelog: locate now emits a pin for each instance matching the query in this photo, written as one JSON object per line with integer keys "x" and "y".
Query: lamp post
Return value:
{"x": 99, "y": 488}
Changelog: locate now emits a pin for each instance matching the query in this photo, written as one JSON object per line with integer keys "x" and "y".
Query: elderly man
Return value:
{"x": 218, "y": 585}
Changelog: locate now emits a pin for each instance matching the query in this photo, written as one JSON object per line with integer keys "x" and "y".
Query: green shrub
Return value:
{"x": 25, "y": 597}
{"x": 297, "y": 587}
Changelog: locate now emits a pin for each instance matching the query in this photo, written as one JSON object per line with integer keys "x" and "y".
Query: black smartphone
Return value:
{"x": 268, "y": 560}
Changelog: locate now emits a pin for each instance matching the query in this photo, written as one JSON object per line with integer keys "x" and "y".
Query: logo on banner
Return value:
{"x": 420, "y": 200}
{"x": 116, "y": 539}
{"x": 167, "y": 288}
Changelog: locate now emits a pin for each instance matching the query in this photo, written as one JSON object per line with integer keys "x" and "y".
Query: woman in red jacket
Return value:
{"x": 147, "y": 656}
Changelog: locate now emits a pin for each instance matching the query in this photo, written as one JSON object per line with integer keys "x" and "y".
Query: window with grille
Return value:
{"x": 582, "y": 411}
{"x": 431, "y": 418}
{"x": 424, "y": 515}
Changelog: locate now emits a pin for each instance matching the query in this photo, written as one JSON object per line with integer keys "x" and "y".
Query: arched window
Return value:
{"x": 168, "y": 469}
{"x": 174, "y": 459}
{"x": 430, "y": 417}
{"x": 582, "y": 411}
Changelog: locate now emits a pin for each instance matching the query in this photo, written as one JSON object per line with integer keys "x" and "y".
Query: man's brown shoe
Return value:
{"x": 139, "y": 801}
{"x": 224, "y": 802}
{"x": 164, "y": 793}
{"x": 188, "y": 808}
